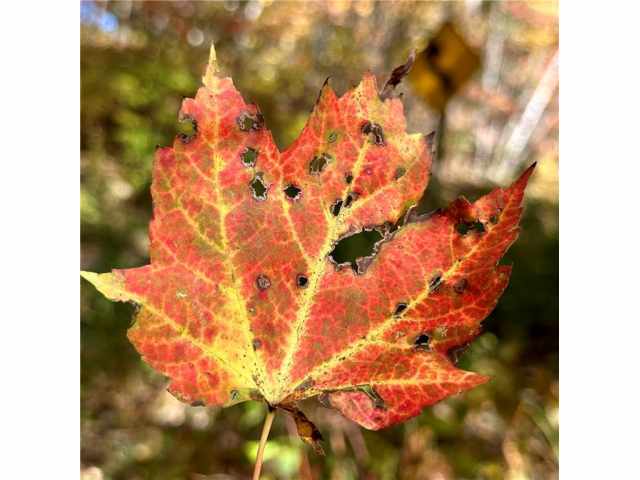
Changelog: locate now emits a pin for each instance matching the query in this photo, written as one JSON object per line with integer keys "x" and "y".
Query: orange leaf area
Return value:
{"x": 245, "y": 296}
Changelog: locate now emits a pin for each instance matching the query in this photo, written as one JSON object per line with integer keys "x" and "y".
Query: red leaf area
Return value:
{"x": 242, "y": 298}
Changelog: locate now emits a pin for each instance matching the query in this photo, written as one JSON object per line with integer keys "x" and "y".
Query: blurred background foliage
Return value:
{"x": 140, "y": 59}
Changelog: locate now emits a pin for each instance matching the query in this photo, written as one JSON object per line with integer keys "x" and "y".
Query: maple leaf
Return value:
{"x": 245, "y": 296}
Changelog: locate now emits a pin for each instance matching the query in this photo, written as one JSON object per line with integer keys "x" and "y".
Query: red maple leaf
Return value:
{"x": 245, "y": 296}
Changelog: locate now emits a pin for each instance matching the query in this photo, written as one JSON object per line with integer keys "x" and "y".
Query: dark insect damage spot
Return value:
{"x": 399, "y": 173}
{"x": 493, "y": 219}
{"x": 332, "y": 137}
{"x": 249, "y": 157}
{"x": 350, "y": 199}
{"x": 335, "y": 207}
{"x": 258, "y": 187}
{"x": 460, "y": 286}
{"x": 465, "y": 227}
{"x": 348, "y": 178}
{"x": 318, "y": 163}
{"x": 247, "y": 121}
{"x": 305, "y": 385}
{"x": 435, "y": 283}
{"x": 302, "y": 281}
{"x": 197, "y": 403}
{"x": 188, "y": 127}
{"x": 263, "y": 282}
{"x": 235, "y": 395}
{"x": 422, "y": 342}
{"x": 293, "y": 192}
{"x": 357, "y": 250}
{"x": 401, "y": 307}
{"x": 376, "y": 135}
{"x": 256, "y": 344}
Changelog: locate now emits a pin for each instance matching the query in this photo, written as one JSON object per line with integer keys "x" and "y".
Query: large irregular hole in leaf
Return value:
{"x": 318, "y": 163}
{"x": 249, "y": 157}
{"x": 293, "y": 192}
{"x": 187, "y": 129}
{"x": 258, "y": 187}
{"x": 352, "y": 249}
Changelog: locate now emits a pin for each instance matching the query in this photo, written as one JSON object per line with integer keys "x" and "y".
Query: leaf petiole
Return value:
{"x": 268, "y": 421}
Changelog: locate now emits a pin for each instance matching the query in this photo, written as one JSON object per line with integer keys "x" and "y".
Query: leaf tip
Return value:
{"x": 212, "y": 67}
{"x": 108, "y": 284}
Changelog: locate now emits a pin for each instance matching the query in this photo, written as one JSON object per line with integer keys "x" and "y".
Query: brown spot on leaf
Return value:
{"x": 460, "y": 286}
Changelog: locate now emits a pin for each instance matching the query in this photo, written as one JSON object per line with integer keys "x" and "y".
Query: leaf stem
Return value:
{"x": 271, "y": 413}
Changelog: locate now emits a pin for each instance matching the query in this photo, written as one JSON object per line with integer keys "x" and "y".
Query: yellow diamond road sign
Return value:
{"x": 443, "y": 67}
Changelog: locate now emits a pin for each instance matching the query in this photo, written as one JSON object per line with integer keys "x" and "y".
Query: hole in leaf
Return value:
{"x": 460, "y": 286}
{"x": 493, "y": 219}
{"x": 465, "y": 227}
{"x": 318, "y": 163}
{"x": 348, "y": 177}
{"x": 374, "y": 396}
{"x": 401, "y": 307}
{"x": 356, "y": 250}
{"x": 435, "y": 283}
{"x": 350, "y": 199}
{"x": 187, "y": 129}
{"x": 332, "y": 137}
{"x": 399, "y": 173}
{"x": 263, "y": 282}
{"x": 256, "y": 344}
{"x": 335, "y": 208}
{"x": 247, "y": 121}
{"x": 302, "y": 281}
{"x": 375, "y": 132}
{"x": 293, "y": 192}
{"x": 249, "y": 157}
{"x": 258, "y": 187}
{"x": 235, "y": 395}
{"x": 422, "y": 341}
